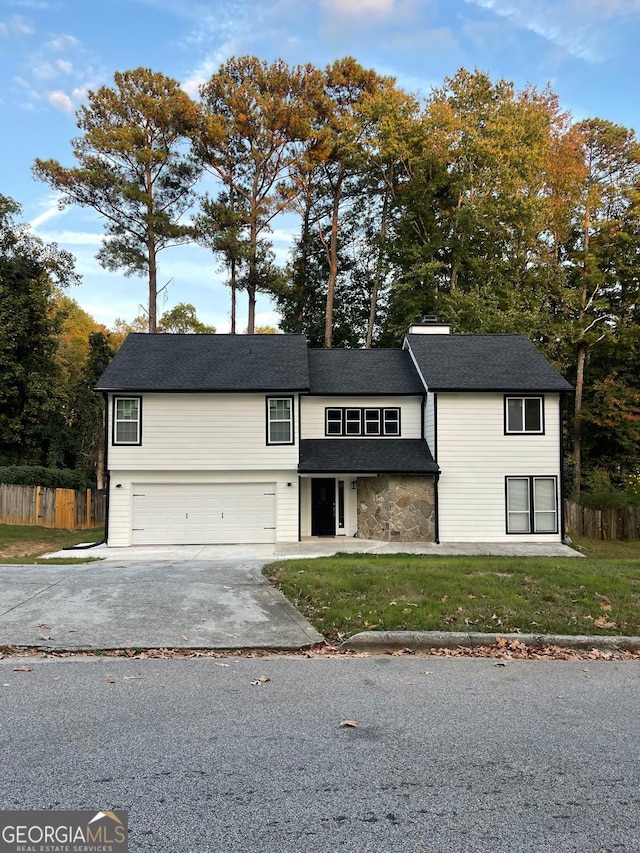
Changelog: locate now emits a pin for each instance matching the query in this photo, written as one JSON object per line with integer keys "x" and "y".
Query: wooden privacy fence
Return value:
{"x": 602, "y": 523}
{"x": 43, "y": 507}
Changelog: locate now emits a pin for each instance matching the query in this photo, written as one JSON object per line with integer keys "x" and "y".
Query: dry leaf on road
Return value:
{"x": 23, "y": 668}
{"x": 349, "y": 724}
{"x": 262, "y": 680}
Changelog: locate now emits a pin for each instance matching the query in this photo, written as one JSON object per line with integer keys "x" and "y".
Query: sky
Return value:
{"x": 52, "y": 52}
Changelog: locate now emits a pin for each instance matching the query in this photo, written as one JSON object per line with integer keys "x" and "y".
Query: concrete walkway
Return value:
{"x": 313, "y": 548}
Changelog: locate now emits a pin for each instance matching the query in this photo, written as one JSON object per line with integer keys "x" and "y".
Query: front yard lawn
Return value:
{"x": 347, "y": 593}
{"x": 25, "y": 544}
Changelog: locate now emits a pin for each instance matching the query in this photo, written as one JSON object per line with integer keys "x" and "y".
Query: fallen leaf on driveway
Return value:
{"x": 426, "y": 672}
{"x": 500, "y": 663}
{"x": 132, "y": 677}
{"x": 182, "y": 637}
{"x": 44, "y": 626}
{"x": 110, "y": 680}
{"x": 262, "y": 680}
{"x": 74, "y": 630}
{"x": 349, "y": 724}
{"x": 46, "y": 637}
{"x": 23, "y": 668}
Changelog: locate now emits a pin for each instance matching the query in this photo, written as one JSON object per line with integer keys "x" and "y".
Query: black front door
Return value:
{"x": 323, "y": 506}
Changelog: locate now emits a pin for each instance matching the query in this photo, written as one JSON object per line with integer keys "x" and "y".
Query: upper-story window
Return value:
{"x": 127, "y": 420}
{"x": 523, "y": 415}
{"x": 279, "y": 420}
{"x": 365, "y": 421}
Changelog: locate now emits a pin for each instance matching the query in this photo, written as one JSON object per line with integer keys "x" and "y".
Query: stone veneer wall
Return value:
{"x": 397, "y": 508}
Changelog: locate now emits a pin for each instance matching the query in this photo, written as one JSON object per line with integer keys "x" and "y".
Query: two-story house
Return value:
{"x": 233, "y": 438}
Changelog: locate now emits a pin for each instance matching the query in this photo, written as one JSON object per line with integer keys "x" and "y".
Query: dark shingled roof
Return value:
{"x": 484, "y": 363}
{"x": 208, "y": 363}
{"x": 366, "y": 456}
{"x": 368, "y": 371}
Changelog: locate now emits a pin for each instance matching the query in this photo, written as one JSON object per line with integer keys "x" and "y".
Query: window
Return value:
{"x": 127, "y": 420}
{"x": 523, "y": 415}
{"x": 532, "y": 505}
{"x": 279, "y": 420}
{"x": 365, "y": 421}
{"x": 372, "y": 421}
{"x": 333, "y": 421}
{"x": 353, "y": 422}
{"x": 391, "y": 421}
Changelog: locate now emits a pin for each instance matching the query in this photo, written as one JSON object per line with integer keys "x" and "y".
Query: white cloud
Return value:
{"x": 72, "y": 238}
{"x": 64, "y": 66}
{"x": 359, "y": 8}
{"x": 50, "y": 210}
{"x": 20, "y": 26}
{"x": 4, "y": 30}
{"x": 62, "y": 42}
{"x": 32, "y": 4}
{"x": 60, "y": 101}
{"x": 575, "y": 25}
{"x": 44, "y": 71}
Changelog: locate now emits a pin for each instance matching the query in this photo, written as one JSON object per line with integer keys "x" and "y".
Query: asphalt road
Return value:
{"x": 448, "y": 755}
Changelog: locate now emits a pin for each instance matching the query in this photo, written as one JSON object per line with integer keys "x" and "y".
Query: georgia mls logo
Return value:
{"x": 63, "y": 831}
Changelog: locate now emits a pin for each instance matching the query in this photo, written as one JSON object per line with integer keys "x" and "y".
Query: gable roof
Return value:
{"x": 483, "y": 363}
{"x": 174, "y": 362}
{"x": 365, "y": 371}
{"x": 366, "y": 456}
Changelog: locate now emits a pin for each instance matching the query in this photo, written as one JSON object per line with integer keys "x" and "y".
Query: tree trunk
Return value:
{"x": 251, "y": 282}
{"x": 301, "y": 265}
{"x": 577, "y": 423}
{"x": 333, "y": 265}
{"x": 378, "y": 275}
{"x": 153, "y": 287}
{"x": 232, "y": 205}
{"x": 233, "y": 296}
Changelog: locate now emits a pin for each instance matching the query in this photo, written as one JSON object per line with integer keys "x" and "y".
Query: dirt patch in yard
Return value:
{"x": 23, "y": 549}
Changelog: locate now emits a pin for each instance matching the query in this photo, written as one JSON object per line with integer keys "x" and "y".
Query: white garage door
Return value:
{"x": 181, "y": 514}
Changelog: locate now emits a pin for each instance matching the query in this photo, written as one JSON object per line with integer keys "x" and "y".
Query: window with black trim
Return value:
{"x": 279, "y": 420}
{"x": 523, "y": 415}
{"x": 532, "y": 505}
{"x": 127, "y": 420}
{"x": 333, "y": 421}
{"x": 367, "y": 421}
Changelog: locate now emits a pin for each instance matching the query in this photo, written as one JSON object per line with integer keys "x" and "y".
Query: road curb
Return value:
{"x": 424, "y": 640}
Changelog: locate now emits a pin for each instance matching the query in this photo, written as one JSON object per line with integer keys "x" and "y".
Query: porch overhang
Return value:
{"x": 366, "y": 456}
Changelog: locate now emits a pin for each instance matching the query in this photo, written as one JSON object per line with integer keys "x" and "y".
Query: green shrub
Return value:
{"x": 36, "y": 475}
{"x": 601, "y": 493}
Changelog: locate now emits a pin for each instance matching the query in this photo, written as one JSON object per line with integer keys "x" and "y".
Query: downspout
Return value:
{"x": 435, "y": 508}
{"x": 561, "y": 410}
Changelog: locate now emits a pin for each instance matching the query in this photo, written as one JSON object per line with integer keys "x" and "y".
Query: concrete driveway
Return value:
{"x": 188, "y": 596}
{"x": 222, "y": 604}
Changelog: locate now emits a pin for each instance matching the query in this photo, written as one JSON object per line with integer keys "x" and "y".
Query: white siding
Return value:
{"x": 121, "y": 509}
{"x": 212, "y": 432}
{"x": 475, "y": 456}
{"x": 313, "y": 425}
{"x": 430, "y": 423}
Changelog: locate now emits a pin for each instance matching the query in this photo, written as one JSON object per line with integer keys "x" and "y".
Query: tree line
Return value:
{"x": 486, "y": 206}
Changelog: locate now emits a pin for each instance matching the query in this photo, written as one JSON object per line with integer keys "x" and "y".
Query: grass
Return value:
{"x": 23, "y": 544}
{"x": 347, "y": 593}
